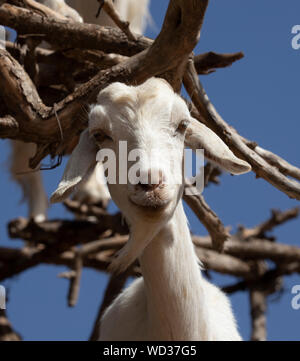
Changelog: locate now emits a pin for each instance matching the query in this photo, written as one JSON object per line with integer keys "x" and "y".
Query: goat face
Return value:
{"x": 145, "y": 128}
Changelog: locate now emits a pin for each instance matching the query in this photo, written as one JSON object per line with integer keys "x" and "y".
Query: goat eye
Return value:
{"x": 100, "y": 137}
{"x": 182, "y": 126}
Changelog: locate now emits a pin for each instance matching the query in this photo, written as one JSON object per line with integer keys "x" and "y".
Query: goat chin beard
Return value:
{"x": 140, "y": 237}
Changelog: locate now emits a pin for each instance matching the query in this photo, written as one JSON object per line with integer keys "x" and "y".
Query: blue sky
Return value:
{"x": 259, "y": 96}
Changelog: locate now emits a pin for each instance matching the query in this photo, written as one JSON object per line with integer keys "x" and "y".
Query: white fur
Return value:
{"x": 171, "y": 301}
{"x": 29, "y": 180}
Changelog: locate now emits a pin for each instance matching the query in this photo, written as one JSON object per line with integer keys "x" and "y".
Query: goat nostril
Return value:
{"x": 151, "y": 180}
{"x": 148, "y": 187}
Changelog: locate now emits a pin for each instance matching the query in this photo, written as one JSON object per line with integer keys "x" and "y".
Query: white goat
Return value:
{"x": 134, "y": 11}
{"x": 172, "y": 301}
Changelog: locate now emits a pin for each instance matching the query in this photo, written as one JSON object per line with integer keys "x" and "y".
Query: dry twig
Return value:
{"x": 109, "y": 8}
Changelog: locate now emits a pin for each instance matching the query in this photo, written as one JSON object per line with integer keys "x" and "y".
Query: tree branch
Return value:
{"x": 258, "y": 306}
{"x": 207, "y": 63}
{"x": 233, "y": 139}
{"x": 277, "y": 218}
{"x": 256, "y": 249}
{"x": 66, "y": 34}
{"x": 207, "y": 217}
{"x": 7, "y": 332}
{"x": 109, "y": 8}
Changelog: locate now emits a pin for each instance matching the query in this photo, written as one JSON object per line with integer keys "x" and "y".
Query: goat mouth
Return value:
{"x": 149, "y": 201}
{"x": 151, "y": 207}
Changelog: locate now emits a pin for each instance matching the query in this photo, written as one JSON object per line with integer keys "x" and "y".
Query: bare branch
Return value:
{"x": 233, "y": 139}
{"x": 109, "y": 8}
{"x": 258, "y": 306}
{"x": 256, "y": 249}
{"x": 208, "y": 62}
{"x": 66, "y": 34}
{"x": 207, "y": 217}
{"x": 224, "y": 264}
{"x": 75, "y": 281}
{"x": 277, "y": 218}
{"x": 82, "y": 209}
{"x": 7, "y": 332}
{"x": 282, "y": 165}
{"x": 264, "y": 281}
{"x": 51, "y": 232}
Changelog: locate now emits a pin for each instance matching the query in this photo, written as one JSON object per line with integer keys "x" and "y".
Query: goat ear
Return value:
{"x": 80, "y": 164}
{"x": 199, "y": 136}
